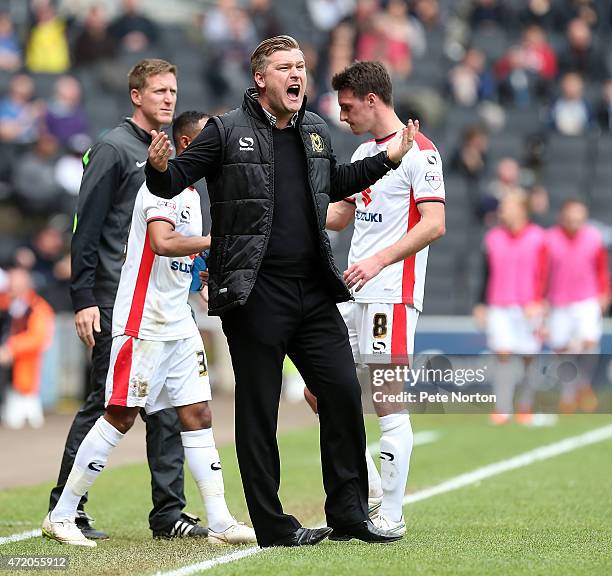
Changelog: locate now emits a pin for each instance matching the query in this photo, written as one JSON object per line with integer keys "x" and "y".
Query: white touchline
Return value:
{"x": 461, "y": 481}
{"x": 525, "y": 459}
{"x": 20, "y": 536}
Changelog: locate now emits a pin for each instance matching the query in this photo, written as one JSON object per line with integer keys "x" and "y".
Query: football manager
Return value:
{"x": 271, "y": 174}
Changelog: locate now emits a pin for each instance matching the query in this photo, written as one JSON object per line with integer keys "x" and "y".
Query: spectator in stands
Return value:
{"x": 231, "y": 38}
{"x": 586, "y": 10}
{"x": 387, "y": 40}
{"x": 38, "y": 166}
{"x": 263, "y": 16}
{"x": 327, "y": 14}
{"x": 94, "y": 43}
{"x": 581, "y": 53}
{"x": 47, "y": 50}
{"x": 134, "y": 31}
{"x": 488, "y": 14}
{"x": 604, "y": 109}
{"x": 29, "y": 333}
{"x": 570, "y": 114}
{"x": 65, "y": 116}
{"x": 49, "y": 265}
{"x": 69, "y": 168}
{"x": 542, "y": 13}
{"x": 469, "y": 81}
{"x": 539, "y": 206}
{"x": 10, "y": 49}
{"x": 19, "y": 112}
{"x": 428, "y": 14}
{"x": 507, "y": 181}
{"x": 528, "y": 69}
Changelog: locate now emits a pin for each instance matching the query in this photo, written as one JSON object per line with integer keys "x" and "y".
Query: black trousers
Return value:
{"x": 164, "y": 447}
{"x": 296, "y": 317}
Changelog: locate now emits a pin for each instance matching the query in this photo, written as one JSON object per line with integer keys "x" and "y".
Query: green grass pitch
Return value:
{"x": 551, "y": 518}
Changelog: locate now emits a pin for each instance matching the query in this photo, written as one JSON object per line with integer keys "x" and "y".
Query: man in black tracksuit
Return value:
{"x": 113, "y": 173}
{"x": 271, "y": 173}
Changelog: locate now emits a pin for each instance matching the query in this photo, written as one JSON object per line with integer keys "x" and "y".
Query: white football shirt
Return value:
{"x": 386, "y": 211}
{"x": 151, "y": 301}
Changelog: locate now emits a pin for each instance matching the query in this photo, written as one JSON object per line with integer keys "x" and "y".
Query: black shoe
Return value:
{"x": 304, "y": 537}
{"x": 84, "y": 523}
{"x": 185, "y": 527}
{"x": 364, "y": 531}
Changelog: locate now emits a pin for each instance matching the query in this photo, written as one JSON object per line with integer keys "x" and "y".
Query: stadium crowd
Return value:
{"x": 517, "y": 94}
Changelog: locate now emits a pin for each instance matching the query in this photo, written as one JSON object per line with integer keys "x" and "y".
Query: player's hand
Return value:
{"x": 361, "y": 272}
{"x": 87, "y": 321}
{"x": 159, "y": 151}
{"x": 534, "y": 310}
{"x": 480, "y": 316}
{"x": 204, "y": 277}
{"x": 402, "y": 141}
{"x": 604, "y": 303}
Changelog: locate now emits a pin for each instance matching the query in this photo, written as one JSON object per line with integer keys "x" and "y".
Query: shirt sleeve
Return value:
{"x": 156, "y": 208}
{"x": 101, "y": 178}
{"x": 425, "y": 174}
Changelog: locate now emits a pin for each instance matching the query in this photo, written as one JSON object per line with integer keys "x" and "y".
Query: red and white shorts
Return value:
{"x": 380, "y": 333}
{"x": 157, "y": 375}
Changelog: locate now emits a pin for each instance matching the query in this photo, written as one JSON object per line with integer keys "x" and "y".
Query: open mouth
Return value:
{"x": 293, "y": 92}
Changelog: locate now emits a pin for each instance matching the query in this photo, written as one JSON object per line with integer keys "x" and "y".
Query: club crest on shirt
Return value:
{"x": 434, "y": 179}
{"x": 317, "y": 142}
{"x": 169, "y": 204}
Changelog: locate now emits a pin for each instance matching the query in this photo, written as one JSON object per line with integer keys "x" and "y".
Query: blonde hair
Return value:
{"x": 138, "y": 75}
{"x": 259, "y": 58}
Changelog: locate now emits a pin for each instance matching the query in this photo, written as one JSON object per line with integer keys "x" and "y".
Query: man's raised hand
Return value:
{"x": 402, "y": 141}
{"x": 159, "y": 151}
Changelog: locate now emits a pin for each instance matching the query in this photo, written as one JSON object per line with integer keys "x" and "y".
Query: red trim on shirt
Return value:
{"x": 603, "y": 271}
{"x": 431, "y": 199}
{"x": 399, "y": 334}
{"x": 385, "y": 139}
{"x": 140, "y": 292}
{"x": 414, "y": 216}
{"x": 350, "y": 200}
{"x": 542, "y": 273}
{"x": 163, "y": 219}
{"x": 424, "y": 143}
{"x": 121, "y": 374}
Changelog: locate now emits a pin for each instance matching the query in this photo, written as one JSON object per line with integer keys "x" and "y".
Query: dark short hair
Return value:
{"x": 259, "y": 58}
{"x": 186, "y": 122}
{"x": 363, "y": 78}
{"x": 572, "y": 200}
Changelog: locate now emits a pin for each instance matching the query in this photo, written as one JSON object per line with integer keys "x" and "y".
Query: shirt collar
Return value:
{"x": 272, "y": 119}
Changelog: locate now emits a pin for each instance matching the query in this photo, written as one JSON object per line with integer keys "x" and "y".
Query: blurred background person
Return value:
{"x": 94, "y": 43}
{"x": 26, "y": 334}
{"x": 133, "y": 29}
{"x": 65, "y": 116}
{"x": 47, "y": 50}
{"x": 571, "y": 114}
{"x": 511, "y": 303}
{"x": 11, "y": 54}
{"x": 578, "y": 292}
{"x": 19, "y": 112}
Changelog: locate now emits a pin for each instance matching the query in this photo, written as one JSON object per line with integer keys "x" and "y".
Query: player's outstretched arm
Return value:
{"x": 165, "y": 241}
{"x": 340, "y": 215}
{"x": 202, "y": 159}
{"x": 429, "y": 228}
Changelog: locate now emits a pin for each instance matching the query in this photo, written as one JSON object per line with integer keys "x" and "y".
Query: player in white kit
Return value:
{"x": 395, "y": 220}
{"x": 157, "y": 356}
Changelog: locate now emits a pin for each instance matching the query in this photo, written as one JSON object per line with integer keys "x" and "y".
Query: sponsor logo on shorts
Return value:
{"x": 95, "y": 466}
{"x": 215, "y": 466}
{"x": 387, "y": 456}
{"x": 379, "y": 348}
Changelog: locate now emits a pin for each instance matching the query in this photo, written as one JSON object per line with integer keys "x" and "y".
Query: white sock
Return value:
{"x": 89, "y": 461}
{"x": 203, "y": 461}
{"x": 395, "y": 449}
{"x": 374, "y": 482}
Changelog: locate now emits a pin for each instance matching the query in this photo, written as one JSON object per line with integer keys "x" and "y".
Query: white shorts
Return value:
{"x": 157, "y": 375}
{"x": 570, "y": 326}
{"x": 380, "y": 333}
{"x": 509, "y": 330}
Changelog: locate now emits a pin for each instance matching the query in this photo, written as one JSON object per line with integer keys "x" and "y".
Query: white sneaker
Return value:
{"x": 65, "y": 532}
{"x": 374, "y": 503}
{"x": 238, "y": 533}
{"x": 397, "y": 528}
